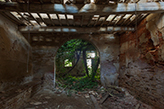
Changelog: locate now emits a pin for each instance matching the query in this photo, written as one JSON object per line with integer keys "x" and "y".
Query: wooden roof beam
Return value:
{"x": 55, "y": 29}
{"x": 90, "y": 9}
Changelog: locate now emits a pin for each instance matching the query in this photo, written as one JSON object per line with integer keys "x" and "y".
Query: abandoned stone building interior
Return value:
{"x": 127, "y": 34}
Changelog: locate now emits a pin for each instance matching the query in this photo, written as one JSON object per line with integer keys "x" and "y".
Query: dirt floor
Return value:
{"x": 110, "y": 98}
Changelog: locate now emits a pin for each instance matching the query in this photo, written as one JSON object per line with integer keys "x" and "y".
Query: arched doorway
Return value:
{"x": 77, "y": 61}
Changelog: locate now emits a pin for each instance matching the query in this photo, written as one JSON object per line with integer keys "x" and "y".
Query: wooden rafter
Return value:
{"x": 104, "y": 21}
{"x": 67, "y": 20}
{"x": 50, "y": 19}
{"x": 120, "y": 20}
{"x": 62, "y": 29}
{"x": 59, "y": 19}
{"x": 41, "y": 18}
{"x": 12, "y": 17}
{"x": 136, "y": 19}
{"x": 112, "y": 20}
{"x": 82, "y": 19}
{"x": 90, "y": 19}
{"x": 96, "y": 21}
{"x": 89, "y": 9}
{"x": 127, "y": 19}
{"x": 128, "y": 23}
{"x": 34, "y": 18}
{"x": 25, "y": 18}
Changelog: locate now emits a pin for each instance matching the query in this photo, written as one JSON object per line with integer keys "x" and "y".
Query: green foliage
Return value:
{"x": 79, "y": 84}
{"x": 68, "y": 51}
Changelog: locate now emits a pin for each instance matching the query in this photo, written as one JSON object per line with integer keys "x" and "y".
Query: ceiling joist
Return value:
{"x": 85, "y": 9}
{"x": 59, "y": 29}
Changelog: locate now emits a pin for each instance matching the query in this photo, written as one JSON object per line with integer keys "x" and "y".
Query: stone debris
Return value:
{"x": 45, "y": 102}
{"x": 30, "y": 108}
{"x": 19, "y": 90}
{"x": 112, "y": 97}
{"x": 48, "y": 97}
{"x": 69, "y": 107}
{"x": 37, "y": 103}
{"x": 95, "y": 102}
{"x": 86, "y": 95}
{"x": 137, "y": 106}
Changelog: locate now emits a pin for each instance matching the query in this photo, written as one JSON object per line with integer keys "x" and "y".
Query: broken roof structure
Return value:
{"x": 39, "y": 17}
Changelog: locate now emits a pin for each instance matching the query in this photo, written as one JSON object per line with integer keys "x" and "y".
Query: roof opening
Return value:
{"x": 43, "y": 15}
{"x": 35, "y": 15}
{"x": 53, "y": 16}
{"x": 61, "y": 16}
{"x": 69, "y": 16}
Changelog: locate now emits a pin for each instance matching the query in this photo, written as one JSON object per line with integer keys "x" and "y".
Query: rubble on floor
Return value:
{"x": 101, "y": 98}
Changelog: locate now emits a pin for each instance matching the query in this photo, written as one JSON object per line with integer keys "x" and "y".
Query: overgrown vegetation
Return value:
{"x": 69, "y": 54}
{"x": 80, "y": 83}
{"x": 71, "y": 51}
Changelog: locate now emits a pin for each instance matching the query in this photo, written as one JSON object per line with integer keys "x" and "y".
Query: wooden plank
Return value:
{"x": 59, "y": 19}
{"x": 34, "y": 18}
{"x": 82, "y": 20}
{"x": 67, "y": 20}
{"x": 12, "y": 17}
{"x": 132, "y": 20}
{"x": 89, "y": 22}
{"x": 126, "y": 1}
{"x": 41, "y": 18}
{"x": 97, "y": 21}
{"x": 118, "y": 22}
{"x": 112, "y": 20}
{"x": 135, "y": 21}
{"x": 50, "y": 19}
{"x": 127, "y": 19}
{"x": 25, "y": 18}
{"x": 62, "y": 29}
{"x": 90, "y": 9}
{"x": 143, "y": 17}
{"x": 104, "y": 21}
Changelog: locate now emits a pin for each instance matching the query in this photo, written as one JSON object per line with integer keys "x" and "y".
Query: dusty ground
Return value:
{"x": 47, "y": 99}
{"x": 92, "y": 99}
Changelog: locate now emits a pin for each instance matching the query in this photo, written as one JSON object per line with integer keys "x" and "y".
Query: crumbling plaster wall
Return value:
{"x": 13, "y": 56}
{"x": 107, "y": 45}
{"x": 142, "y": 61}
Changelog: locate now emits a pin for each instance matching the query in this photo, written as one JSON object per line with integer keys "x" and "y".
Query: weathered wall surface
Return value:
{"x": 13, "y": 56}
{"x": 108, "y": 46}
{"x": 142, "y": 61}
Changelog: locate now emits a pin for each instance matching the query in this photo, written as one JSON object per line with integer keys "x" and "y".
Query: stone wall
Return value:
{"x": 106, "y": 44}
{"x": 14, "y": 50}
{"x": 142, "y": 61}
